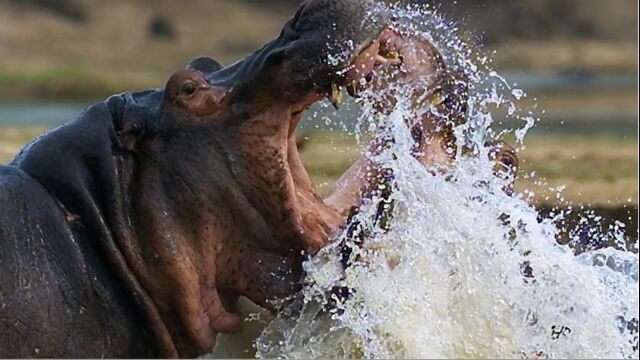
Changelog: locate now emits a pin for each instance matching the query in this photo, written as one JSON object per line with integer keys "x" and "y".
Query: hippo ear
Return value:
{"x": 205, "y": 65}
{"x": 130, "y": 135}
{"x": 135, "y": 116}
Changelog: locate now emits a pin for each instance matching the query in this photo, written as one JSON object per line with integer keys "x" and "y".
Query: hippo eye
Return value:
{"x": 189, "y": 88}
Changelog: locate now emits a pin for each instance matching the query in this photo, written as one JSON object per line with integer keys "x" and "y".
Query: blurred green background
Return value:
{"x": 577, "y": 60}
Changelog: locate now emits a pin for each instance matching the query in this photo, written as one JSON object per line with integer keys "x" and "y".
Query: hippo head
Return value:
{"x": 216, "y": 202}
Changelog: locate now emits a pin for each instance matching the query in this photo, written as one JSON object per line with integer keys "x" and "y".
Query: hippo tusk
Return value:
{"x": 381, "y": 59}
{"x": 336, "y": 96}
{"x": 392, "y": 58}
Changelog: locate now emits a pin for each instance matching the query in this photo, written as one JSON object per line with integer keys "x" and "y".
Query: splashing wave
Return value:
{"x": 463, "y": 269}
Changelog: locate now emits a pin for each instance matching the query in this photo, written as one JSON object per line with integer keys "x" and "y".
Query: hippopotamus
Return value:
{"x": 132, "y": 230}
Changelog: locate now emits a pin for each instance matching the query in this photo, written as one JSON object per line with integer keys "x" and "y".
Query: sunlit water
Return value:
{"x": 463, "y": 270}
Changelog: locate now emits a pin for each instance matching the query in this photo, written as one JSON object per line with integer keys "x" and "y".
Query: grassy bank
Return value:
{"x": 69, "y": 82}
{"x": 600, "y": 171}
{"x": 47, "y": 56}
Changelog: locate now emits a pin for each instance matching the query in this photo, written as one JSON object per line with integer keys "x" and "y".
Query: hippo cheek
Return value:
{"x": 260, "y": 275}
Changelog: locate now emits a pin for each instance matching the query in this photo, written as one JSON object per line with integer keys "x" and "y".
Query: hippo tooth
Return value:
{"x": 336, "y": 96}
{"x": 381, "y": 60}
{"x": 393, "y": 58}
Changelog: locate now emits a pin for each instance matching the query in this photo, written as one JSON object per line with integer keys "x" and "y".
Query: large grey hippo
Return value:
{"x": 132, "y": 230}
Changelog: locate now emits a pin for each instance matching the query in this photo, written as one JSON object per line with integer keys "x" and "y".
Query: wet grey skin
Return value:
{"x": 132, "y": 230}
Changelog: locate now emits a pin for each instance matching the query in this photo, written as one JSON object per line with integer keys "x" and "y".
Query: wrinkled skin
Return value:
{"x": 132, "y": 230}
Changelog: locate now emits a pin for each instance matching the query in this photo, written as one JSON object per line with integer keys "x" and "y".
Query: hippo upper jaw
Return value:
{"x": 313, "y": 52}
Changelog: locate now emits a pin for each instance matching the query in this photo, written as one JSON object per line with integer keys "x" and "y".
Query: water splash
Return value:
{"x": 462, "y": 269}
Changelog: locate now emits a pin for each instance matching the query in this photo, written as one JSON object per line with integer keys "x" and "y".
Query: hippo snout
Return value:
{"x": 311, "y": 52}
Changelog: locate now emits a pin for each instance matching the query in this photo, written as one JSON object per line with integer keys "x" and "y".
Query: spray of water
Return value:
{"x": 460, "y": 269}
